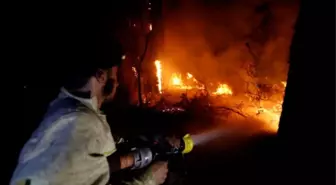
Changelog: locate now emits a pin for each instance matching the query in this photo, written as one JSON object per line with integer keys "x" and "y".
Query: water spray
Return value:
{"x": 148, "y": 150}
{"x": 208, "y": 136}
{"x": 204, "y": 137}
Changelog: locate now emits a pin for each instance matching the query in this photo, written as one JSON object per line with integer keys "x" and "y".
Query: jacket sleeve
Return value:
{"x": 58, "y": 153}
{"x": 72, "y": 148}
{"x": 84, "y": 156}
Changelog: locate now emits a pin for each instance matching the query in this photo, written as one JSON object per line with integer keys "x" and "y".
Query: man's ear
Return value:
{"x": 101, "y": 76}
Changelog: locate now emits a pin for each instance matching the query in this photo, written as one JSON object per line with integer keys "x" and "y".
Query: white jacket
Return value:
{"x": 60, "y": 150}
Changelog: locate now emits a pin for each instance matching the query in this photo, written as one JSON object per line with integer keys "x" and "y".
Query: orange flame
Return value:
{"x": 159, "y": 75}
{"x": 176, "y": 79}
{"x": 177, "y": 82}
{"x": 269, "y": 114}
{"x": 223, "y": 89}
{"x": 189, "y": 76}
{"x": 284, "y": 84}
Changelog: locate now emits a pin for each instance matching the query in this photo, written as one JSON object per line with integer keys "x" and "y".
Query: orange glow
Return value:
{"x": 159, "y": 75}
{"x": 223, "y": 89}
{"x": 284, "y": 84}
{"x": 177, "y": 82}
{"x": 176, "y": 79}
{"x": 135, "y": 72}
{"x": 267, "y": 111}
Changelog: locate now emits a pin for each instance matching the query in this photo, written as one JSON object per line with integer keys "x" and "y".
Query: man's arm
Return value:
{"x": 156, "y": 174}
{"x": 118, "y": 162}
{"x": 64, "y": 149}
{"x": 126, "y": 161}
{"x": 138, "y": 159}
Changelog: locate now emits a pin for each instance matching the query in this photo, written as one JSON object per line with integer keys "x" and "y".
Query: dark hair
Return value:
{"x": 88, "y": 46}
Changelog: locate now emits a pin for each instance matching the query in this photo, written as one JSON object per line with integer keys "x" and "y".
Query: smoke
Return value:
{"x": 209, "y": 39}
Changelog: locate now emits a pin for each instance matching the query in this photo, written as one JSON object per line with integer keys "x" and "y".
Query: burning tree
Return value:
{"x": 137, "y": 33}
{"x": 261, "y": 44}
{"x": 187, "y": 56}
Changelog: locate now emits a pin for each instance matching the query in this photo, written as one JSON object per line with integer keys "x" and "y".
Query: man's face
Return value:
{"x": 110, "y": 87}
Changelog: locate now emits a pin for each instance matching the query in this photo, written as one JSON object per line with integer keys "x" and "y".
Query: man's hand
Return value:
{"x": 174, "y": 142}
{"x": 126, "y": 161}
{"x": 159, "y": 171}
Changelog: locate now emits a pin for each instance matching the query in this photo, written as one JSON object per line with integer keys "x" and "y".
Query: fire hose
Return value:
{"x": 161, "y": 150}
{"x": 150, "y": 149}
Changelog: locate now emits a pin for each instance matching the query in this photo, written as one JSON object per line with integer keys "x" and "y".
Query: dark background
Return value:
{"x": 298, "y": 154}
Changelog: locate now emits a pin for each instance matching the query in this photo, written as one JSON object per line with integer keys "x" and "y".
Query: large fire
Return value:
{"x": 177, "y": 82}
{"x": 266, "y": 111}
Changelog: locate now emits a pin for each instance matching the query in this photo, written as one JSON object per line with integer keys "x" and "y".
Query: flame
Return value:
{"x": 189, "y": 76}
{"x": 150, "y": 27}
{"x": 284, "y": 84}
{"x": 223, "y": 89}
{"x": 178, "y": 83}
{"x": 270, "y": 117}
{"x": 176, "y": 79}
{"x": 159, "y": 75}
{"x": 269, "y": 114}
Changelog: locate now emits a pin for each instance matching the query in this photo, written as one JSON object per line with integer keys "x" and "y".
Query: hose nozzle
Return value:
{"x": 188, "y": 144}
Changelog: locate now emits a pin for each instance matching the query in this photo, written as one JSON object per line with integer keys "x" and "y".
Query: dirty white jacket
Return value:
{"x": 62, "y": 149}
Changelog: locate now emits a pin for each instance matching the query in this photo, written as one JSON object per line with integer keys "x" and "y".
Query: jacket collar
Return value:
{"x": 92, "y": 102}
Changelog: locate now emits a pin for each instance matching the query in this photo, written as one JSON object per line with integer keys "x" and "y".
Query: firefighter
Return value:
{"x": 73, "y": 144}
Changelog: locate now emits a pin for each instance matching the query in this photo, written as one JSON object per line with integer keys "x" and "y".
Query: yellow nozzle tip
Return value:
{"x": 188, "y": 144}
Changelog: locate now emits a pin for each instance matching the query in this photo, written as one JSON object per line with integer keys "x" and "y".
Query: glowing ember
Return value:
{"x": 173, "y": 110}
{"x": 223, "y": 89}
{"x": 189, "y": 76}
{"x": 284, "y": 84}
{"x": 135, "y": 72}
{"x": 159, "y": 75}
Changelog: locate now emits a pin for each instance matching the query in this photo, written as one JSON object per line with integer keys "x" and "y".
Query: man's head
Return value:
{"x": 100, "y": 81}
{"x": 107, "y": 83}
{"x": 92, "y": 59}
{"x": 103, "y": 84}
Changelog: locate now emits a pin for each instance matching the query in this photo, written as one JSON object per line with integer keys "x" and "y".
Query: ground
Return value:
{"x": 249, "y": 162}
